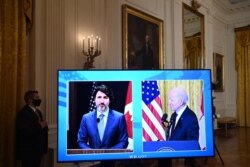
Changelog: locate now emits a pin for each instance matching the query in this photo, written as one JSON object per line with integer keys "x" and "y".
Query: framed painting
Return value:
{"x": 218, "y": 68}
{"x": 142, "y": 40}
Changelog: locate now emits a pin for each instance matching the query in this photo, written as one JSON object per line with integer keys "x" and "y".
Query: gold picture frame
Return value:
{"x": 218, "y": 68}
{"x": 142, "y": 37}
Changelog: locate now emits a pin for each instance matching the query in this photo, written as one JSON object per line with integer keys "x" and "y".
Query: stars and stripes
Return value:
{"x": 92, "y": 105}
{"x": 151, "y": 112}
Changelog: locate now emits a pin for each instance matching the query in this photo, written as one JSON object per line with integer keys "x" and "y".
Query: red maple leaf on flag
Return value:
{"x": 128, "y": 111}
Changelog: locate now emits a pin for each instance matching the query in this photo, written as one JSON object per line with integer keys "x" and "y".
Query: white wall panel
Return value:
{"x": 178, "y": 35}
{"x": 54, "y": 54}
{"x": 73, "y": 59}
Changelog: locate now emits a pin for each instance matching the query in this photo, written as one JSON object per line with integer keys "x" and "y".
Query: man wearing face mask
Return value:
{"x": 103, "y": 128}
{"x": 31, "y": 132}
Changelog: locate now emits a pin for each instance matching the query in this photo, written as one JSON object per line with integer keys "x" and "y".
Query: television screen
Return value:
{"x": 128, "y": 114}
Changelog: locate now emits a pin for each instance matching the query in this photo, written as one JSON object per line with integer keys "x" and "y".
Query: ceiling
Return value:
{"x": 234, "y": 6}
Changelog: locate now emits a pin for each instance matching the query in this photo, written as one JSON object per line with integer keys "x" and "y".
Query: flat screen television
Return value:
{"x": 142, "y": 97}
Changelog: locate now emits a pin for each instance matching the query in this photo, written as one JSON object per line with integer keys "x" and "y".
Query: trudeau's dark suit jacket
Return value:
{"x": 187, "y": 127}
{"x": 115, "y": 134}
{"x": 31, "y": 138}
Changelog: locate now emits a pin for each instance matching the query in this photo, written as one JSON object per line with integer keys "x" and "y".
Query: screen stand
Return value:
{"x": 216, "y": 149}
{"x": 221, "y": 160}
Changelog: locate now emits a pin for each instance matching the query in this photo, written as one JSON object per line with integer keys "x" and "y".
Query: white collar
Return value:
{"x": 181, "y": 110}
{"x": 33, "y": 108}
{"x": 179, "y": 113}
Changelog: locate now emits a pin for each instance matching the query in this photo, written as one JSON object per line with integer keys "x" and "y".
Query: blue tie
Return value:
{"x": 101, "y": 126}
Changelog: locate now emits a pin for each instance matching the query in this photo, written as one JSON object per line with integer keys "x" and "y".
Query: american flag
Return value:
{"x": 92, "y": 105}
{"x": 152, "y": 112}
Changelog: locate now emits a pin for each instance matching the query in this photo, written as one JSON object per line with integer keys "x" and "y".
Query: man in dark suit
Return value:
{"x": 31, "y": 132}
{"x": 103, "y": 128}
{"x": 183, "y": 122}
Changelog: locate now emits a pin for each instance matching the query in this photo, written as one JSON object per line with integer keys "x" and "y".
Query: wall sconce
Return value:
{"x": 93, "y": 50}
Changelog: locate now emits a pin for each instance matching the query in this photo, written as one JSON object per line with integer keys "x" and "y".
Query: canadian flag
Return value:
{"x": 129, "y": 116}
{"x": 202, "y": 137}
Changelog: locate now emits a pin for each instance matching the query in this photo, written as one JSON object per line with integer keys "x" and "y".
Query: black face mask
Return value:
{"x": 37, "y": 102}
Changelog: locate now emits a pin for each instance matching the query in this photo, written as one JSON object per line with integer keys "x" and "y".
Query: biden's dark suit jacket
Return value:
{"x": 115, "y": 134}
{"x": 187, "y": 127}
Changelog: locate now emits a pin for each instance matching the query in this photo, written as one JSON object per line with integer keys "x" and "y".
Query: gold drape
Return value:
{"x": 243, "y": 77}
{"x": 13, "y": 17}
{"x": 194, "y": 91}
{"x": 192, "y": 58}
